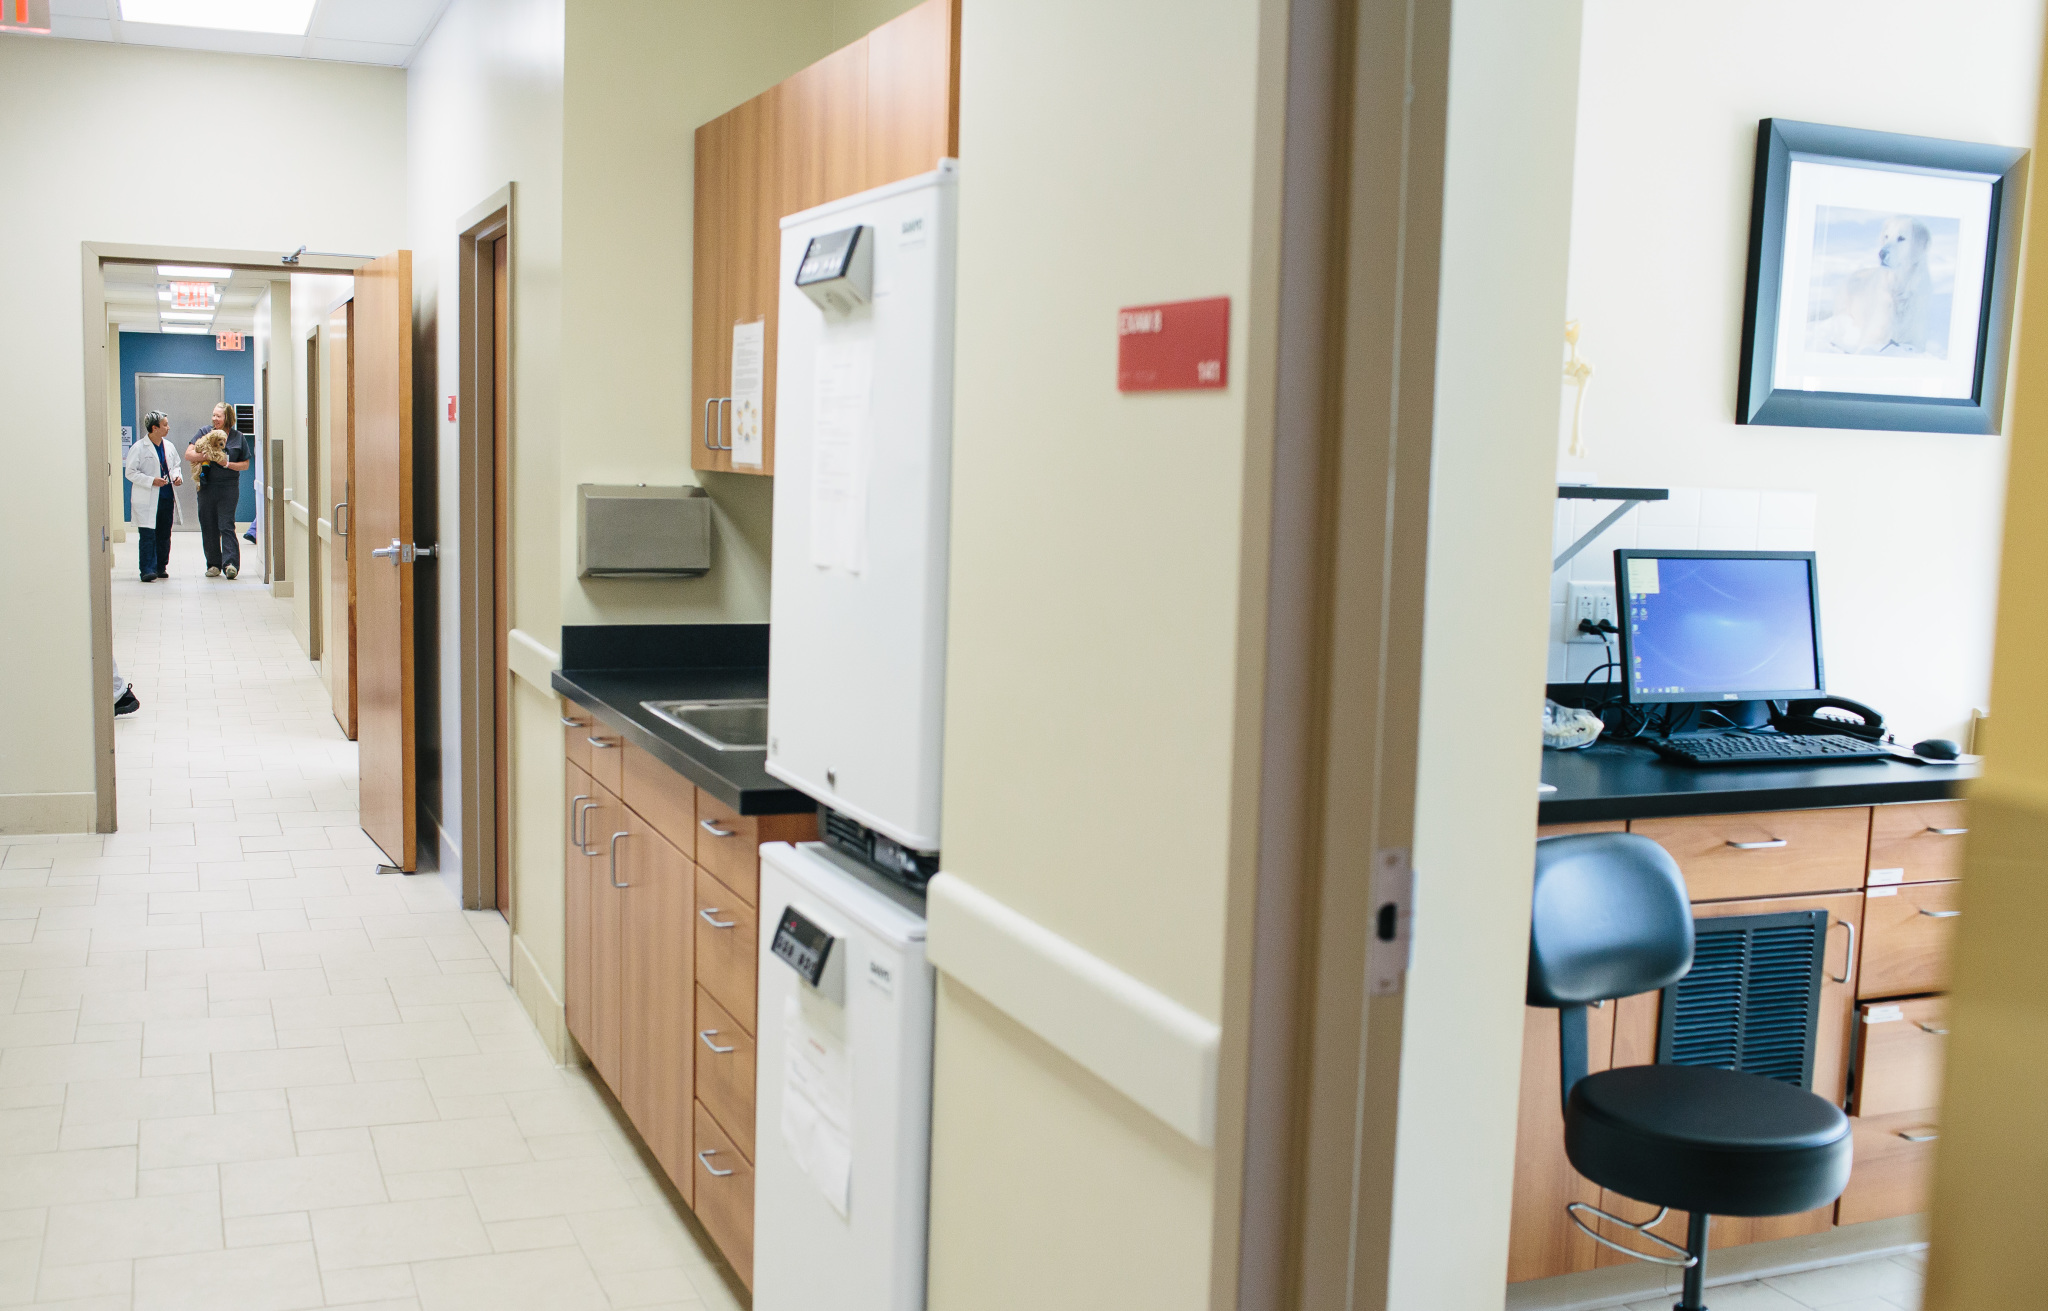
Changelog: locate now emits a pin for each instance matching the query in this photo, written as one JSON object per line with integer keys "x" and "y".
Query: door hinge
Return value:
{"x": 1391, "y": 932}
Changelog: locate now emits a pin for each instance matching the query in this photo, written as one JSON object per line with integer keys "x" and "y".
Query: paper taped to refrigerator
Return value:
{"x": 817, "y": 1096}
{"x": 749, "y": 353}
{"x": 840, "y": 398}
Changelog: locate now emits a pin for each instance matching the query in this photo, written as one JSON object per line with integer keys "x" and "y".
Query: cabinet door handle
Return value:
{"x": 599, "y": 742}
{"x": 711, "y": 826}
{"x": 576, "y": 821}
{"x": 570, "y": 723}
{"x": 709, "y": 911}
{"x": 1918, "y": 1135}
{"x": 1947, "y": 832}
{"x": 615, "y": 859}
{"x": 1771, "y": 844}
{"x": 707, "y": 1035}
{"x": 1939, "y": 914}
{"x": 1934, "y": 1029}
{"x": 583, "y": 843}
{"x": 1849, "y": 956}
{"x": 704, "y": 1159}
{"x": 339, "y": 529}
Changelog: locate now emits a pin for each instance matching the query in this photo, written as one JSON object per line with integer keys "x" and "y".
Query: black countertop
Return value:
{"x": 1618, "y": 780}
{"x": 610, "y": 669}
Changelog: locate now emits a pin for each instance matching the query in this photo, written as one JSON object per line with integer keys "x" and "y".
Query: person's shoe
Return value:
{"x": 230, "y": 571}
{"x": 212, "y": 572}
{"x": 128, "y": 704}
{"x": 149, "y": 578}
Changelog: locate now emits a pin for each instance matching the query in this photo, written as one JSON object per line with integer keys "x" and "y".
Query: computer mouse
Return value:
{"x": 1937, "y": 748}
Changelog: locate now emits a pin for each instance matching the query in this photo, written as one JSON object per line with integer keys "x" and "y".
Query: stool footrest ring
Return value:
{"x": 1684, "y": 1260}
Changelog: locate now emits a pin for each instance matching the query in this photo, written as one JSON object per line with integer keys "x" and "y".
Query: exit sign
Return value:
{"x": 1180, "y": 346}
{"x": 228, "y": 341}
{"x": 189, "y": 295}
{"x": 25, "y": 16}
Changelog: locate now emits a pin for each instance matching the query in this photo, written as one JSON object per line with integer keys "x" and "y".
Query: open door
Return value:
{"x": 380, "y": 538}
{"x": 341, "y": 453}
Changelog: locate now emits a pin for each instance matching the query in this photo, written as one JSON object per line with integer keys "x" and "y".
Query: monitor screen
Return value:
{"x": 1718, "y": 625}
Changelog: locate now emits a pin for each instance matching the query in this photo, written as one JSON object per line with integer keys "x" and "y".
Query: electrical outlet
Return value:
{"x": 1590, "y": 601}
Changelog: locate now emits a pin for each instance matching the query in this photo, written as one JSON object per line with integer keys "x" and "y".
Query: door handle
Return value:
{"x": 1947, "y": 832}
{"x": 1771, "y": 844}
{"x": 715, "y": 418}
{"x": 393, "y": 551}
{"x": 711, "y": 826}
{"x": 615, "y": 859}
{"x": 707, "y": 912}
{"x": 1939, "y": 914}
{"x": 583, "y": 838}
{"x": 1934, "y": 1029}
{"x": 1918, "y": 1135}
{"x": 339, "y": 530}
{"x": 404, "y": 552}
{"x": 569, "y": 723}
{"x": 704, "y": 1159}
{"x": 707, "y": 1035}
{"x": 1849, "y": 956}
{"x": 598, "y": 742}
{"x": 576, "y": 819}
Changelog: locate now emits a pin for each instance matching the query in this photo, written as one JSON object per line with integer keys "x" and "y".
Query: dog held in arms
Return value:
{"x": 1886, "y": 306}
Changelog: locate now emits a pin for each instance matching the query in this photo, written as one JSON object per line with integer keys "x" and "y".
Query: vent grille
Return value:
{"x": 841, "y": 831}
{"x": 1752, "y": 999}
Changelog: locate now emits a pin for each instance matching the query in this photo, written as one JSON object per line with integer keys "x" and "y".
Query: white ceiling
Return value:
{"x": 354, "y": 31}
{"x": 133, "y": 302}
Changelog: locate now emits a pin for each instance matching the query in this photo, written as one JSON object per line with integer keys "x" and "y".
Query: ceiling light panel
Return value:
{"x": 190, "y": 329}
{"x": 275, "y": 17}
{"x": 180, "y": 315}
{"x": 188, "y": 271}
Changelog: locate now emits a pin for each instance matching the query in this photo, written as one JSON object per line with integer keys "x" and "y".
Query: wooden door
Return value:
{"x": 341, "y": 580}
{"x": 606, "y": 831}
{"x": 501, "y": 567}
{"x": 382, "y": 516}
{"x": 580, "y": 797}
{"x": 658, "y": 1036}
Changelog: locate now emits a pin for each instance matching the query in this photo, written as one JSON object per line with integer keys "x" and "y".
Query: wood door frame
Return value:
{"x": 336, "y": 539}
{"x": 484, "y": 515}
{"x": 92, "y": 295}
{"x": 314, "y": 391}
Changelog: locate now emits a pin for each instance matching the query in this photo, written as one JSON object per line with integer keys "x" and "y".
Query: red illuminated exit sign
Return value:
{"x": 1180, "y": 346}
{"x": 25, "y": 16}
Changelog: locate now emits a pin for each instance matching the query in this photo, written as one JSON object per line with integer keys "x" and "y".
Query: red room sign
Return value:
{"x": 1180, "y": 346}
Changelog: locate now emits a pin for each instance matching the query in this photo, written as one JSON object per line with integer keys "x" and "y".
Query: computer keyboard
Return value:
{"x": 1766, "y": 748}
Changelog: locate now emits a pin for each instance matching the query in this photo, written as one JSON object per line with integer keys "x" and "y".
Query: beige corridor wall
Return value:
{"x": 1110, "y": 156}
{"x": 96, "y": 149}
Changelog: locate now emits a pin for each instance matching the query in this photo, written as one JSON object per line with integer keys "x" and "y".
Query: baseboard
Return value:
{"x": 549, "y": 1016}
{"x": 48, "y": 812}
{"x": 281, "y": 588}
{"x": 1616, "y": 1285}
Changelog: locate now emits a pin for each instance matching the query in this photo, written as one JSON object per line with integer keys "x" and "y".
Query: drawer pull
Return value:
{"x": 569, "y": 723}
{"x": 1947, "y": 832}
{"x": 1918, "y": 1135}
{"x": 1934, "y": 1029}
{"x": 1770, "y": 845}
{"x": 576, "y": 819}
{"x": 711, "y": 826}
{"x": 704, "y": 1159}
{"x": 707, "y": 1035}
{"x": 706, "y": 914}
{"x": 1848, "y": 957}
{"x": 599, "y": 742}
{"x": 583, "y": 838}
{"x": 615, "y": 858}
{"x": 1939, "y": 914}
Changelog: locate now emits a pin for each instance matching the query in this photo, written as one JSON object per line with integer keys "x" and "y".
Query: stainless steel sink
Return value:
{"x": 721, "y": 725}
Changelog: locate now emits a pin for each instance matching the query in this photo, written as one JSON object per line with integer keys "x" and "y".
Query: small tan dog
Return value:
{"x": 213, "y": 447}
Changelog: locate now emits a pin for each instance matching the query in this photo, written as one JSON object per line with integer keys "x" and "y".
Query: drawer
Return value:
{"x": 659, "y": 795}
{"x": 1899, "y": 1066}
{"x": 1908, "y": 933}
{"x": 725, "y": 1078}
{"x": 726, "y": 948}
{"x": 725, "y": 1195}
{"x": 1567, "y": 830}
{"x": 1770, "y": 853}
{"x": 607, "y": 751}
{"x": 729, "y": 846}
{"x": 576, "y": 722}
{"x": 1894, "y": 1168}
{"x": 1917, "y": 842}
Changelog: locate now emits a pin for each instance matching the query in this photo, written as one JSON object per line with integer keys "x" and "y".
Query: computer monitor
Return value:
{"x": 1718, "y": 626}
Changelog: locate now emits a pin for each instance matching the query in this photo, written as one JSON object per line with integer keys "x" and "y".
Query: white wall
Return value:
{"x": 1908, "y": 523}
{"x": 102, "y": 145}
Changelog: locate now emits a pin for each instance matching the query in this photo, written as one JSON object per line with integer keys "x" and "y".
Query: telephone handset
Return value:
{"x": 1852, "y": 718}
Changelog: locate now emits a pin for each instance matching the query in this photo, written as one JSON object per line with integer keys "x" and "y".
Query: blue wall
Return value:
{"x": 174, "y": 352}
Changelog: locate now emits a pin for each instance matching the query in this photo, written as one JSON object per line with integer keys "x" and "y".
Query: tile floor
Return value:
{"x": 239, "y": 1071}
{"x": 1885, "y": 1283}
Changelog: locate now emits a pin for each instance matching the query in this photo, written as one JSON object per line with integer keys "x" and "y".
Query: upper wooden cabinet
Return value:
{"x": 880, "y": 110}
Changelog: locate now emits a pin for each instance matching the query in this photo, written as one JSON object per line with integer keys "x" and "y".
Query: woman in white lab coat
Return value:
{"x": 156, "y": 469}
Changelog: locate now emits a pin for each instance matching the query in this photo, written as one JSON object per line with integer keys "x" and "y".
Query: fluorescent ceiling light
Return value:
{"x": 184, "y": 316}
{"x": 186, "y": 271}
{"x": 278, "y": 17}
{"x": 196, "y": 329}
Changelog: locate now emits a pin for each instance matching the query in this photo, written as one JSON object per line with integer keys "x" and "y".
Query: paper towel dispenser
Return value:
{"x": 642, "y": 532}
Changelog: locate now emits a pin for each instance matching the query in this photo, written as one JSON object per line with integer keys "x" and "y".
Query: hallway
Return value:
{"x": 240, "y": 1071}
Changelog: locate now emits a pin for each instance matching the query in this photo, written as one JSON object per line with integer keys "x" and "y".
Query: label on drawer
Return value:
{"x": 1881, "y": 892}
{"x": 1879, "y": 877}
{"x": 1884, "y": 1014}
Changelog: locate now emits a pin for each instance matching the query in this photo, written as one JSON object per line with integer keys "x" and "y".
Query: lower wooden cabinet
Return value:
{"x": 725, "y": 1195}
{"x": 593, "y": 918}
{"x": 727, "y": 948}
{"x": 656, "y": 947}
{"x": 1908, "y": 930}
{"x": 725, "y": 1071}
{"x": 1894, "y": 1167}
{"x": 1903, "y": 1047}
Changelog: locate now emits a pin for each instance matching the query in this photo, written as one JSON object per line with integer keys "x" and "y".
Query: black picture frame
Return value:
{"x": 1758, "y": 399}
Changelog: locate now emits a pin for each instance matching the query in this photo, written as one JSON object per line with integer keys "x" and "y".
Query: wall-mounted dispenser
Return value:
{"x": 642, "y": 532}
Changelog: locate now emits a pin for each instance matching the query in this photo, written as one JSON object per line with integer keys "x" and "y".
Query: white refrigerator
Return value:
{"x": 844, "y": 1092}
{"x": 863, "y": 481}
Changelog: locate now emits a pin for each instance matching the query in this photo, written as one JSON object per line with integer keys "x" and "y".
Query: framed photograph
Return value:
{"x": 1881, "y": 273}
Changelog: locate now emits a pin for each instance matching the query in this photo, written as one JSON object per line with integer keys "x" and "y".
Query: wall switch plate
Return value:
{"x": 1591, "y": 601}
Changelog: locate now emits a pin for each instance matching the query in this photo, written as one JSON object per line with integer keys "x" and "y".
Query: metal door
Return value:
{"x": 188, "y": 398}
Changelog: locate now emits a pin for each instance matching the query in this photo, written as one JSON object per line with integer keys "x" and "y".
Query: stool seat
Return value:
{"x": 1699, "y": 1139}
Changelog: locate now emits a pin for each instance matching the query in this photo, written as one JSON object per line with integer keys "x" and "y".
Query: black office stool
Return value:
{"x": 1610, "y": 919}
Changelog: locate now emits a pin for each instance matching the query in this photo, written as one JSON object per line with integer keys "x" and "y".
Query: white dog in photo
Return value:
{"x": 1885, "y": 306}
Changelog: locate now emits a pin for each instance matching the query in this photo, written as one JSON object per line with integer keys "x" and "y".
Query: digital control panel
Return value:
{"x": 837, "y": 270}
{"x": 801, "y": 945}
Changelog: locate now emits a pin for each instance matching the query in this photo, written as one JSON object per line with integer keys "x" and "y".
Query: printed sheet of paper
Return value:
{"x": 840, "y": 397}
{"x": 817, "y": 1096}
{"x": 749, "y": 351}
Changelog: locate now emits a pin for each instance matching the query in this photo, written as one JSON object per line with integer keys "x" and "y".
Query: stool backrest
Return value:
{"x": 1609, "y": 918}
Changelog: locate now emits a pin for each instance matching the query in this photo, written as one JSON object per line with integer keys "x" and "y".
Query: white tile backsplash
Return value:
{"x": 1695, "y": 518}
